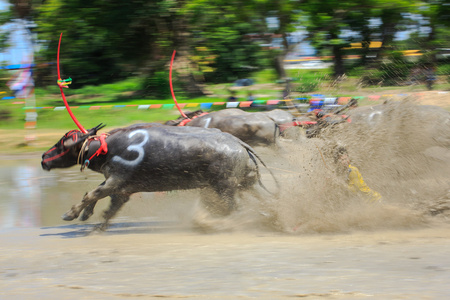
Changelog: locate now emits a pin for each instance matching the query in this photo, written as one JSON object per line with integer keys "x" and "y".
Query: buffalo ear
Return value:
{"x": 69, "y": 143}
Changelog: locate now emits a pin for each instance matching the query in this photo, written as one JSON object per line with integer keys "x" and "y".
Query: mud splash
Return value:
{"x": 403, "y": 153}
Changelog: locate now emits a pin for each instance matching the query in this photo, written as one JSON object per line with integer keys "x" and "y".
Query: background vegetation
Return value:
{"x": 221, "y": 41}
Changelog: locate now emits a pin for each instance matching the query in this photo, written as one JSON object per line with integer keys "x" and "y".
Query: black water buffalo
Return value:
{"x": 253, "y": 128}
{"x": 154, "y": 157}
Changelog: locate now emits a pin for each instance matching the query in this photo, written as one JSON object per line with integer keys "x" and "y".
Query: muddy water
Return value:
{"x": 313, "y": 239}
{"x": 31, "y": 197}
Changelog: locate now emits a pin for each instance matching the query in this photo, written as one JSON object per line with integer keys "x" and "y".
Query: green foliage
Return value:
{"x": 5, "y": 17}
{"x": 265, "y": 76}
{"x": 219, "y": 28}
{"x": 5, "y": 76}
{"x": 392, "y": 73}
{"x": 443, "y": 69}
{"x": 356, "y": 71}
{"x": 104, "y": 41}
{"x": 330, "y": 21}
{"x": 107, "y": 41}
{"x": 157, "y": 85}
{"x": 309, "y": 80}
{"x": 307, "y": 86}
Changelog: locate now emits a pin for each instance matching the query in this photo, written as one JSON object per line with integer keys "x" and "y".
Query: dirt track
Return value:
{"x": 56, "y": 263}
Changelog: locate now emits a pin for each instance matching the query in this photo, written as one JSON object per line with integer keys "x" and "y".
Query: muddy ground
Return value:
{"x": 160, "y": 263}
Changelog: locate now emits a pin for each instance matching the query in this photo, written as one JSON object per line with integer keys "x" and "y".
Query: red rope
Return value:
{"x": 56, "y": 156}
{"x": 103, "y": 149}
{"x": 296, "y": 123}
{"x": 171, "y": 87}
{"x": 185, "y": 121}
{"x": 62, "y": 93}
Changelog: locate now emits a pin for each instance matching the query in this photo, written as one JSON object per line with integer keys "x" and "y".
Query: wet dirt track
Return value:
{"x": 52, "y": 264}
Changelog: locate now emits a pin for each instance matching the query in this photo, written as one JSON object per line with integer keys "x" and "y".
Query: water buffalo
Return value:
{"x": 253, "y": 128}
{"x": 155, "y": 157}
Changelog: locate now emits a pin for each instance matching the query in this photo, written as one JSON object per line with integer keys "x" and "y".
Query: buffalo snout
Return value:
{"x": 45, "y": 166}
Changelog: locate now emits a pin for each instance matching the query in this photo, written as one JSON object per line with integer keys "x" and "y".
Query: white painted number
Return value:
{"x": 373, "y": 117}
{"x": 137, "y": 148}
{"x": 208, "y": 120}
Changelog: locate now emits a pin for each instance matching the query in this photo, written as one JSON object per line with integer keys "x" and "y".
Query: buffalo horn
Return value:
{"x": 94, "y": 130}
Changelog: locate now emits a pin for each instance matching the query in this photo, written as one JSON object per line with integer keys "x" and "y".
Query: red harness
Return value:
{"x": 285, "y": 126}
{"x": 56, "y": 156}
{"x": 73, "y": 134}
{"x": 102, "y": 150}
{"x": 185, "y": 121}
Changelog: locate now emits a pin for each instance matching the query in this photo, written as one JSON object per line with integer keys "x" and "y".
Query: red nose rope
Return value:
{"x": 64, "y": 84}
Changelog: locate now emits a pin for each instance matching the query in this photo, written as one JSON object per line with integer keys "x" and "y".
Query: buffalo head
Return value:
{"x": 65, "y": 152}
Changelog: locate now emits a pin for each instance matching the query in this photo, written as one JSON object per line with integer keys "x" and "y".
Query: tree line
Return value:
{"x": 216, "y": 40}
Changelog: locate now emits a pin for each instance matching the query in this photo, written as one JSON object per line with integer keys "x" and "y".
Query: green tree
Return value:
{"x": 219, "y": 38}
{"x": 106, "y": 40}
{"x": 330, "y": 23}
{"x": 5, "y": 17}
{"x": 437, "y": 13}
{"x": 393, "y": 15}
{"x": 326, "y": 23}
{"x": 287, "y": 14}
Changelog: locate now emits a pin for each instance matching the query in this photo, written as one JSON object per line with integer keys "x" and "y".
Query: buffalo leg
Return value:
{"x": 103, "y": 190}
{"x": 88, "y": 211}
{"x": 228, "y": 197}
{"x": 217, "y": 202}
{"x": 117, "y": 201}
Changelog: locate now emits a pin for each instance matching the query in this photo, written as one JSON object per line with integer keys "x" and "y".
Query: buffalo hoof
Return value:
{"x": 85, "y": 215}
{"x": 101, "y": 227}
{"x": 88, "y": 211}
{"x": 68, "y": 216}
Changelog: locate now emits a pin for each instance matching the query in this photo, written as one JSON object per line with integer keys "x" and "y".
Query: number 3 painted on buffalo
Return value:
{"x": 136, "y": 148}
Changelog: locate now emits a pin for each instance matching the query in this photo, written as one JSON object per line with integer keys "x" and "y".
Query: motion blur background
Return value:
{"x": 381, "y": 42}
